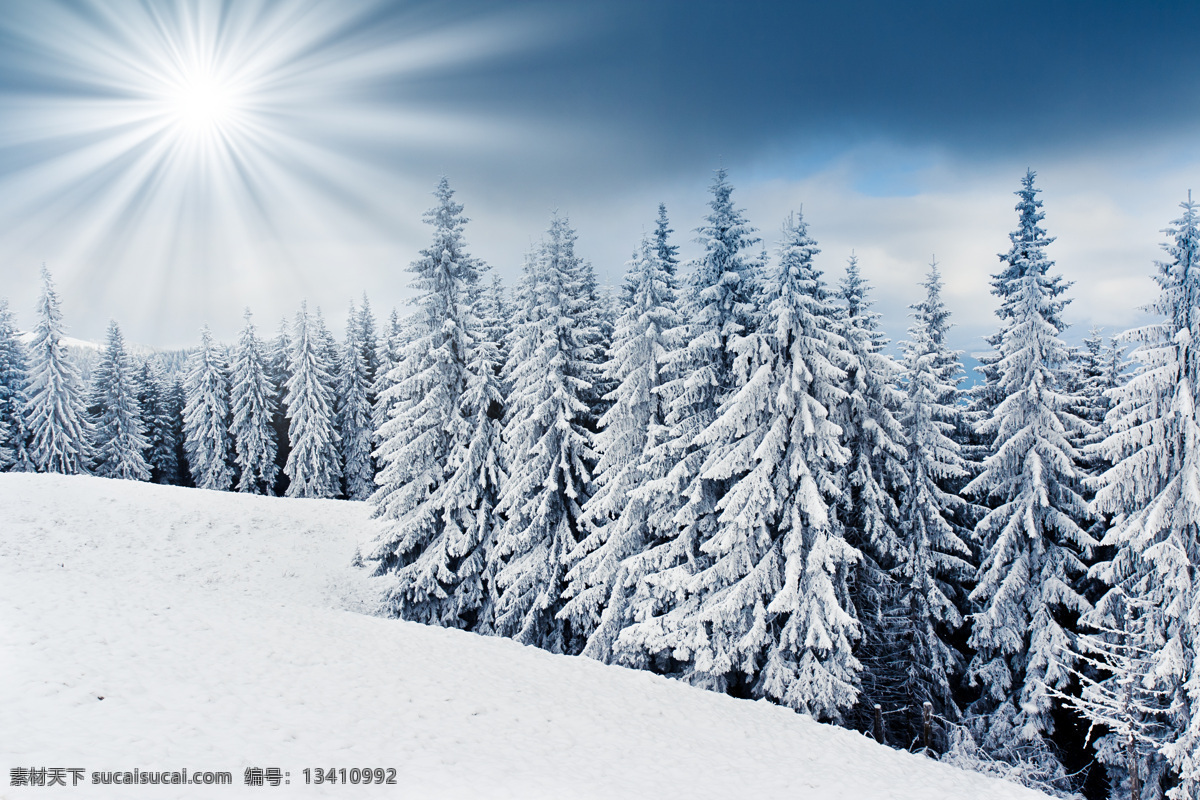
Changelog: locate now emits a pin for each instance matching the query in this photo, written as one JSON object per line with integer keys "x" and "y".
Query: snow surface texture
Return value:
{"x": 224, "y": 631}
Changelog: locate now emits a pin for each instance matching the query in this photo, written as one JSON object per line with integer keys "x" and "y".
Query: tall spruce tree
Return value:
{"x": 605, "y": 567}
{"x": 354, "y": 408}
{"x": 547, "y": 443}
{"x": 1150, "y": 491}
{"x": 435, "y": 521}
{"x": 59, "y": 431}
{"x": 252, "y": 397}
{"x": 312, "y": 466}
{"x": 391, "y": 355}
{"x": 206, "y": 438}
{"x": 875, "y": 474}
{"x": 119, "y": 439}
{"x": 279, "y": 370}
{"x": 13, "y": 360}
{"x": 921, "y": 661}
{"x": 1027, "y": 584}
{"x": 163, "y": 431}
{"x": 772, "y": 607}
{"x": 720, "y": 303}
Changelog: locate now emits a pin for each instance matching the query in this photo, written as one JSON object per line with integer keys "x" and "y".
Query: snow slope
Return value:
{"x": 224, "y": 632}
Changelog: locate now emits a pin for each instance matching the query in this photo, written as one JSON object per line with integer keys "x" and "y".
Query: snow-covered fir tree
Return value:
{"x": 252, "y": 401}
{"x": 206, "y": 438}
{"x": 1027, "y": 583}
{"x": 774, "y": 605}
{"x": 548, "y": 447}
{"x": 1150, "y": 491}
{"x": 331, "y": 354}
{"x": 119, "y": 437}
{"x": 312, "y": 465}
{"x": 920, "y": 661}
{"x": 1028, "y": 240}
{"x": 720, "y": 303}
{"x": 176, "y": 402}
{"x": 440, "y": 474}
{"x": 15, "y": 439}
{"x": 667, "y": 252}
{"x": 163, "y": 429}
{"x": 279, "y": 370}
{"x": 354, "y": 408}
{"x": 875, "y": 475}
{"x": 368, "y": 341}
{"x": 56, "y": 420}
{"x": 606, "y": 566}
{"x": 391, "y": 355}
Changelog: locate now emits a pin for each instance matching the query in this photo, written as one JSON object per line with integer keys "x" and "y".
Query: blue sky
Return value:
{"x": 172, "y": 162}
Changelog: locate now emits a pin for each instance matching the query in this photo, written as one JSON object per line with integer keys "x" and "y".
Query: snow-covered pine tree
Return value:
{"x": 875, "y": 474}
{"x": 368, "y": 342}
{"x": 206, "y": 438}
{"x": 14, "y": 442}
{"x": 1154, "y": 447}
{"x": 721, "y": 302}
{"x": 774, "y": 601}
{"x": 605, "y": 567}
{"x": 119, "y": 437}
{"x": 1032, "y": 540}
{"x": 1029, "y": 238}
{"x": 354, "y": 409}
{"x": 279, "y": 370}
{"x": 163, "y": 438}
{"x": 312, "y": 466}
{"x": 252, "y": 397}
{"x": 176, "y": 402}
{"x": 547, "y": 445}
{"x": 439, "y": 475}
{"x": 667, "y": 253}
{"x": 59, "y": 431}
{"x": 921, "y": 662}
{"x": 391, "y": 355}
{"x": 331, "y": 354}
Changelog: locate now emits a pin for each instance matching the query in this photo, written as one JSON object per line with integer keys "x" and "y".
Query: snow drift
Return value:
{"x": 158, "y": 628}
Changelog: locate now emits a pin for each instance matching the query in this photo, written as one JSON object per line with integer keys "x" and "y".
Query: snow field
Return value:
{"x": 226, "y": 631}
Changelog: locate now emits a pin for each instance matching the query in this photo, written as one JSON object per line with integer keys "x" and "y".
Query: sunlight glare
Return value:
{"x": 201, "y": 101}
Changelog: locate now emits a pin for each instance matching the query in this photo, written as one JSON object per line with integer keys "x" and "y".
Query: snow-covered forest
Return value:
{"x": 725, "y": 473}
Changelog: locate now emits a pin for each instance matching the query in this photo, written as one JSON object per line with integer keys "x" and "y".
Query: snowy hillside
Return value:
{"x": 159, "y": 628}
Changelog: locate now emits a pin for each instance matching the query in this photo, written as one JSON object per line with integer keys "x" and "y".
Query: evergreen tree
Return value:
{"x": 206, "y": 437}
{"x": 921, "y": 662}
{"x": 252, "y": 399}
{"x": 1027, "y": 583}
{"x": 1150, "y": 491}
{"x": 440, "y": 476}
{"x": 312, "y": 466}
{"x": 667, "y": 253}
{"x": 14, "y": 440}
{"x": 176, "y": 403}
{"x": 119, "y": 436}
{"x": 279, "y": 370}
{"x": 391, "y": 355}
{"x": 163, "y": 429}
{"x": 368, "y": 342}
{"x": 605, "y": 567}
{"x": 774, "y": 603}
{"x": 60, "y": 435}
{"x": 720, "y": 303}
{"x": 875, "y": 474}
{"x": 354, "y": 409}
{"x": 548, "y": 446}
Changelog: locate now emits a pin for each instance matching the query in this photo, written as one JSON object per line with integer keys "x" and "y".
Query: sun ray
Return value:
{"x": 173, "y": 146}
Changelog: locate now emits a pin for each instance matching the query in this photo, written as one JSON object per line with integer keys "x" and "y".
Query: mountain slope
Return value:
{"x": 222, "y": 632}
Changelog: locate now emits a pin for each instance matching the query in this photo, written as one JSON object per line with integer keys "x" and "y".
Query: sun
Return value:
{"x": 200, "y": 101}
